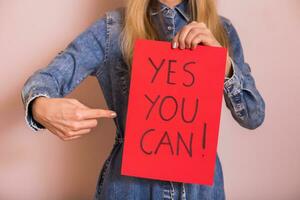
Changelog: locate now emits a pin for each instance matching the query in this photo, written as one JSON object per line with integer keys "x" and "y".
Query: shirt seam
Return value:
{"x": 107, "y": 38}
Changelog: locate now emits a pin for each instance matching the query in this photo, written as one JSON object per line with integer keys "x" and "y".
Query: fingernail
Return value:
{"x": 174, "y": 45}
{"x": 113, "y": 114}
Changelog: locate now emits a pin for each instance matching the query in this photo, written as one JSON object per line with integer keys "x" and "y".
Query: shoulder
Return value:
{"x": 111, "y": 21}
{"x": 107, "y": 30}
{"x": 234, "y": 39}
{"x": 226, "y": 23}
{"x": 232, "y": 33}
{"x": 109, "y": 24}
{"x": 110, "y": 17}
{"x": 115, "y": 16}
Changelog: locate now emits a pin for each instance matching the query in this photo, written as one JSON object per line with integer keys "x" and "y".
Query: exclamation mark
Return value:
{"x": 204, "y": 138}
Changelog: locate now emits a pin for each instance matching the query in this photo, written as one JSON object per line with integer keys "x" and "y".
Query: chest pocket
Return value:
{"x": 122, "y": 72}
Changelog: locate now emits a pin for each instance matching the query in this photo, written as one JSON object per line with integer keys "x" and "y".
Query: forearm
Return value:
{"x": 242, "y": 97}
{"x": 39, "y": 84}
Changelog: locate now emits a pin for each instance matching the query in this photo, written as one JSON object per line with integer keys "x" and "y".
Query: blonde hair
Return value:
{"x": 137, "y": 23}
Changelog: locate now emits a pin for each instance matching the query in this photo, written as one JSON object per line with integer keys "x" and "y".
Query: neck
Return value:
{"x": 170, "y": 3}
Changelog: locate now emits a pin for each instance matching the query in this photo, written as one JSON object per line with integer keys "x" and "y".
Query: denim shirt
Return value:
{"x": 96, "y": 52}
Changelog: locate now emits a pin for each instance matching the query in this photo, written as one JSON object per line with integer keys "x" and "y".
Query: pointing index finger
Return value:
{"x": 97, "y": 113}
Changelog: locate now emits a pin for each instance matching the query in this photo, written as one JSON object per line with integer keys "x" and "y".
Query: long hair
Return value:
{"x": 137, "y": 23}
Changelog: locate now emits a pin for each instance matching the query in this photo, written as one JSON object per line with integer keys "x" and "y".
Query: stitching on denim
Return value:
{"x": 118, "y": 141}
{"x": 99, "y": 69}
{"x": 173, "y": 23}
{"x": 183, "y": 194}
{"x": 108, "y": 35}
{"x": 103, "y": 174}
{"x": 107, "y": 41}
{"x": 155, "y": 12}
{"x": 184, "y": 14}
{"x": 172, "y": 191}
{"x": 124, "y": 86}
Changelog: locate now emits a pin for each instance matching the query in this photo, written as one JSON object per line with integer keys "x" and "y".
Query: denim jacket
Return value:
{"x": 96, "y": 52}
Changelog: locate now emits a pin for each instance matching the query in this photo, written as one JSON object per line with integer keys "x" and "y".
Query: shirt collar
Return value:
{"x": 182, "y": 8}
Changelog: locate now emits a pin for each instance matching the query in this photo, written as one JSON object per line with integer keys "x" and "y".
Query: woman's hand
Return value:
{"x": 67, "y": 118}
{"x": 196, "y": 33}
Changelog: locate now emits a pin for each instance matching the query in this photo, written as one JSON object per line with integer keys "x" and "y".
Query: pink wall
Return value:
{"x": 261, "y": 164}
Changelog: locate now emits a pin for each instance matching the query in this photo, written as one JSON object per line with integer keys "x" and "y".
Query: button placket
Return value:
{"x": 172, "y": 191}
{"x": 169, "y": 12}
{"x": 169, "y": 192}
{"x": 183, "y": 193}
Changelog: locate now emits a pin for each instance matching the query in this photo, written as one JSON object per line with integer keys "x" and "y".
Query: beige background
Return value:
{"x": 261, "y": 164}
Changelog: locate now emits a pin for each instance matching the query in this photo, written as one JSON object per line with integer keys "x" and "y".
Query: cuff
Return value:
{"x": 233, "y": 88}
{"x": 232, "y": 64}
{"x": 30, "y": 121}
{"x": 233, "y": 84}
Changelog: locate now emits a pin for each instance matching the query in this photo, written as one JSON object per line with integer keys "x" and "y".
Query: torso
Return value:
{"x": 115, "y": 82}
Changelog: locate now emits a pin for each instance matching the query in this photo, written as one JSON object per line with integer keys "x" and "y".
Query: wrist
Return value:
{"x": 36, "y": 103}
{"x": 229, "y": 67}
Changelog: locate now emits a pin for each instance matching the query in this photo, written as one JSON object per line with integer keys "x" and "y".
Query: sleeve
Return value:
{"x": 82, "y": 57}
{"x": 240, "y": 93}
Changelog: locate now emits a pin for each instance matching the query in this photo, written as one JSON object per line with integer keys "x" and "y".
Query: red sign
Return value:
{"x": 173, "y": 116}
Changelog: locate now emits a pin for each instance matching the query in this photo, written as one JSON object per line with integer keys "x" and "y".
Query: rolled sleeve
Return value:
{"x": 82, "y": 57}
{"x": 241, "y": 94}
{"x": 30, "y": 121}
{"x": 233, "y": 90}
{"x": 232, "y": 85}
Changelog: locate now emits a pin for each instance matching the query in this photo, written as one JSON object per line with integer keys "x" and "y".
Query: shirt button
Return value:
{"x": 170, "y": 28}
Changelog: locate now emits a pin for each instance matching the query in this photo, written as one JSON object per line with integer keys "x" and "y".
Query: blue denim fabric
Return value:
{"x": 96, "y": 52}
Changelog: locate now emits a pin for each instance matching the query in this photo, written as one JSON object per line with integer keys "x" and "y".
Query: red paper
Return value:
{"x": 168, "y": 135}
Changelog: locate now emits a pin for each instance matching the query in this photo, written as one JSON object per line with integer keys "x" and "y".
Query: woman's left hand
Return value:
{"x": 195, "y": 33}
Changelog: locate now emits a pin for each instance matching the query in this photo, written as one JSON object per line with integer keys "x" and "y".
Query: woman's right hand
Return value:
{"x": 67, "y": 118}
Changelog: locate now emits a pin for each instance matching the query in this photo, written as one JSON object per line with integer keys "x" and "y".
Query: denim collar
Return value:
{"x": 182, "y": 8}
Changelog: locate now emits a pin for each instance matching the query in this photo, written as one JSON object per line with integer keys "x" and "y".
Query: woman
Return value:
{"x": 104, "y": 50}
